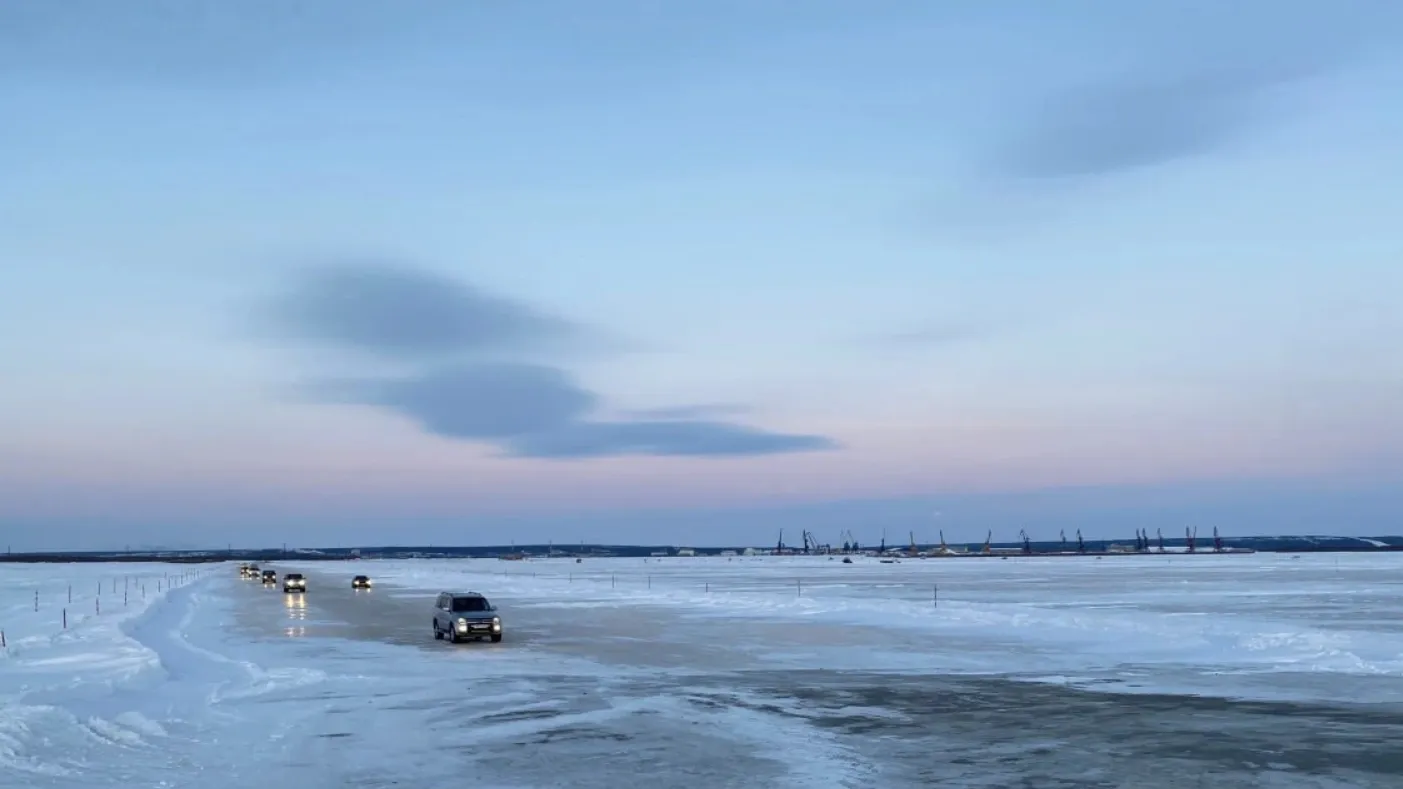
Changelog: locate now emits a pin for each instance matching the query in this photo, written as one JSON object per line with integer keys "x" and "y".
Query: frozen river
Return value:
{"x": 1142, "y": 672}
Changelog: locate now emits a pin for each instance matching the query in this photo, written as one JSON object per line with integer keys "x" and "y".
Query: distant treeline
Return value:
{"x": 72, "y": 558}
{"x": 1285, "y": 544}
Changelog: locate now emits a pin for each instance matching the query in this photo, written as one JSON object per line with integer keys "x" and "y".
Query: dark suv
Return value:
{"x": 270, "y": 577}
{"x": 459, "y": 616}
{"x": 294, "y": 582}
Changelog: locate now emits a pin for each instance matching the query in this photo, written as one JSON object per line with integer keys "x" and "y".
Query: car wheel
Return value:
{"x": 438, "y": 634}
{"x": 496, "y": 638}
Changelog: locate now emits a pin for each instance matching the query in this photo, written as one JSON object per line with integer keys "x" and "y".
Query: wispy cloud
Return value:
{"x": 390, "y": 310}
{"x": 524, "y": 407}
{"x": 1140, "y": 122}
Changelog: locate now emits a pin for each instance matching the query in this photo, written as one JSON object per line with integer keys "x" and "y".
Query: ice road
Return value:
{"x": 1143, "y": 672}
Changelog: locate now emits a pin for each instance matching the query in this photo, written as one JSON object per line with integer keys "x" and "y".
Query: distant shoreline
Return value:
{"x": 1231, "y": 546}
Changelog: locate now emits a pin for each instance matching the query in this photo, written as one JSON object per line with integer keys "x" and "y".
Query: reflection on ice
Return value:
{"x": 297, "y": 605}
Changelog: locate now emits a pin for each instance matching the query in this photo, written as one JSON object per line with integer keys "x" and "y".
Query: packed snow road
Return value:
{"x": 1258, "y": 672}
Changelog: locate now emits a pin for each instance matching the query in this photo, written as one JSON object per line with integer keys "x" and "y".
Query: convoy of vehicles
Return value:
{"x": 458, "y": 616}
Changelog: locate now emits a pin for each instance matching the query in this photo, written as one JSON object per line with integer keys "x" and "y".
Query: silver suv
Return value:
{"x": 459, "y": 616}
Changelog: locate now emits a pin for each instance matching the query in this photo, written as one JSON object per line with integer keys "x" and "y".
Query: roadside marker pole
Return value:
{"x": 65, "y": 619}
{"x": 799, "y": 587}
{"x": 935, "y": 595}
{"x": 36, "y": 600}
{"x": 70, "y": 593}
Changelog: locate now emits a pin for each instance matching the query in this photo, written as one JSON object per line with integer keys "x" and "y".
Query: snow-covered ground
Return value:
{"x": 678, "y": 672}
{"x": 66, "y": 643}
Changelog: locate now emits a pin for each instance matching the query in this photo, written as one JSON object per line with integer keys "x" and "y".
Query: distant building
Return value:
{"x": 686, "y": 552}
{"x": 750, "y": 552}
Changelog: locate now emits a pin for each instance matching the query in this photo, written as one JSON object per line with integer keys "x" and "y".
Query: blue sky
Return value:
{"x": 342, "y": 272}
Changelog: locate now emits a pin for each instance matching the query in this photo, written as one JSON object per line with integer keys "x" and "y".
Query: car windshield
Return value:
{"x": 294, "y": 576}
{"x": 470, "y": 604}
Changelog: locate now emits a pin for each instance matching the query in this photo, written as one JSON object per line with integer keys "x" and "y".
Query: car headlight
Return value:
{"x": 497, "y": 620}
{"x": 462, "y": 623}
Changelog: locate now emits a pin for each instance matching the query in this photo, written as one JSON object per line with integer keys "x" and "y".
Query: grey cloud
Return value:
{"x": 1139, "y": 122}
{"x": 670, "y": 437}
{"x": 395, "y": 311}
{"x": 537, "y": 411}
{"x": 1209, "y": 75}
{"x": 476, "y": 378}
{"x": 484, "y": 401}
{"x": 698, "y": 411}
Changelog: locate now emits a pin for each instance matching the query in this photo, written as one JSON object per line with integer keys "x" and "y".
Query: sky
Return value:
{"x": 340, "y": 272}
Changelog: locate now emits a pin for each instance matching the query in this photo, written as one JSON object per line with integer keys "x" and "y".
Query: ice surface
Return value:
{"x": 1155, "y": 622}
{"x": 748, "y": 672}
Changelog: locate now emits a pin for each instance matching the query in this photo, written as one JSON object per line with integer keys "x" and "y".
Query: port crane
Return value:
{"x": 812, "y": 545}
{"x": 849, "y": 542}
{"x": 1190, "y": 538}
{"x": 1027, "y": 544}
{"x": 1217, "y": 541}
{"x": 1081, "y": 545}
{"x": 988, "y": 543}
